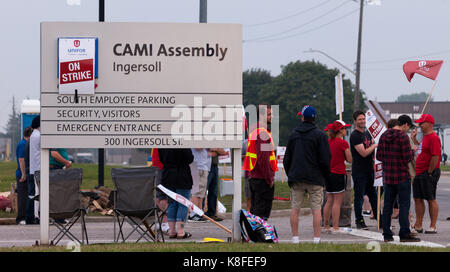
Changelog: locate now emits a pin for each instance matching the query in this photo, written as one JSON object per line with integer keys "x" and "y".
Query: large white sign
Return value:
{"x": 159, "y": 85}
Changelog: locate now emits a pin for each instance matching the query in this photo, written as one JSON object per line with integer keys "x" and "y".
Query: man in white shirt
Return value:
{"x": 202, "y": 159}
{"x": 35, "y": 158}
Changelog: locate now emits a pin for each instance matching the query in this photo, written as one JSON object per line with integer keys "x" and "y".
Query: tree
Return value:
{"x": 253, "y": 81}
{"x": 305, "y": 83}
{"x": 414, "y": 97}
{"x": 13, "y": 128}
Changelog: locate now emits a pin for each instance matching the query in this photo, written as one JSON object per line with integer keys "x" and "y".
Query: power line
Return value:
{"x": 302, "y": 25}
{"x": 405, "y": 58}
{"x": 305, "y": 32}
{"x": 288, "y": 17}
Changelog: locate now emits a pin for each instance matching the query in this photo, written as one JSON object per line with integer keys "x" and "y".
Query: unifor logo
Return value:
{"x": 76, "y": 43}
{"x": 423, "y": 66}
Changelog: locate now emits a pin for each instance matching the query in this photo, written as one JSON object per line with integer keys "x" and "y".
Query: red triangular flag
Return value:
{"x": 426, "y": 68}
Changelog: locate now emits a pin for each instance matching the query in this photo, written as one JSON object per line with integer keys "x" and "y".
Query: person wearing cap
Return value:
{"x": 261, "y": 163}
{"x": 35, "y": 163}
{"x": 307, "y": 164}
{"x": 427, "y": 173}
{"x": 394, "y": 151}
{"x": 362, "y": 148}
{"x": 335, "y": 185}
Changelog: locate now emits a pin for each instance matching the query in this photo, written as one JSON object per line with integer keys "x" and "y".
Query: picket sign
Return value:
{"x": 376, "y": 129}
{"x": 185, "y": 202}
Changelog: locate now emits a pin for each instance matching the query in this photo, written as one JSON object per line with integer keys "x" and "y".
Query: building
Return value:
{"x": 439, "y": 110}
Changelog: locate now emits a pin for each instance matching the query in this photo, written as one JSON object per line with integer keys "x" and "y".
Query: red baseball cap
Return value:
{"x": 425, "y": 118}
{"x": 336, "y": 125}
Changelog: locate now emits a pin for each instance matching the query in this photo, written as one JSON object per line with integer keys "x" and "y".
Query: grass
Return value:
{"x": 90, "y": 181}
{"x": 90, "y": 175}
{"x": 228, "y": 247}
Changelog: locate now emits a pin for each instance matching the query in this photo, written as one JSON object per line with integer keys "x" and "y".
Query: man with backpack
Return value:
{"x": 307, "y": 164}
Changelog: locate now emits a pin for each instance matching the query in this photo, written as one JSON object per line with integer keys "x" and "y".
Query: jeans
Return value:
{"x": 262, "y": 197}
{"x": 177, "y": 212}
{"x": 30, "y": 203}
{"x": 212, "y": 187}
{"x": 22, "y": 196}
{"x": 391, "y": 191}
{"x": 363, "y": 185}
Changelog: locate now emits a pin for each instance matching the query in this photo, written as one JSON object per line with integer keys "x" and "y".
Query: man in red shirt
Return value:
{"x": 427, "y": 173}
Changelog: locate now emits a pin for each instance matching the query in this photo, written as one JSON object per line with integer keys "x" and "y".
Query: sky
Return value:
{"x": 274, "y": 34}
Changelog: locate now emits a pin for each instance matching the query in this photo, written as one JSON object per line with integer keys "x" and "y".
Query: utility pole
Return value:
{"x": 358, "y": 58}
{"x": 101, "y": 151}
{"x": 203, "y": 11}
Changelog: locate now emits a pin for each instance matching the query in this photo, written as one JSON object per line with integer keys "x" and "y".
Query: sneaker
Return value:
{"x": 36, "y": 221}
{"x": 366, "y": 213}
{"x": 196, "y": 219}
{"x": 361, "y": 225}
{"x": 22, "y": 222}
{"x": 295, "y": 240}
{"x": 165, "y": 227}
{"x": 409, "y": 238}
{"x": 215, "y": 218}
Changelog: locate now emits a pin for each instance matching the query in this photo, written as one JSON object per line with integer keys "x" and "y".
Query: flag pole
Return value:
{"x": 429, "y": 96}
{"x": 340, "y": 95}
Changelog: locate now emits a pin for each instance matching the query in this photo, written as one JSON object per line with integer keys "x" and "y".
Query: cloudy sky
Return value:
{"x": 274, "y": 33}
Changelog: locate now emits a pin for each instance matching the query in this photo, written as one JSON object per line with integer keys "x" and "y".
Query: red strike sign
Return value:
{"x": 76, "y": 71}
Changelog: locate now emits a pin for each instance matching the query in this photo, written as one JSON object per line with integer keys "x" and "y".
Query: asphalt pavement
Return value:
{"x": 101, "y": 229}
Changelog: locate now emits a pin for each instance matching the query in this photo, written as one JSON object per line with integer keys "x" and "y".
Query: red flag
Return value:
{"x": 426, "y": 68}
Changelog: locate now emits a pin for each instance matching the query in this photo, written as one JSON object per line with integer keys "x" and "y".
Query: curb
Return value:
{"x": 106, "y": 219}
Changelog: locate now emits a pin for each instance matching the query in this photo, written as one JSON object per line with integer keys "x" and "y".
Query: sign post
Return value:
{"x": 180, "y": 88}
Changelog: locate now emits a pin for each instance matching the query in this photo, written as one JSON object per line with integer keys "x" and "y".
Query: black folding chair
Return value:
{"x": 65, "y": 202}
{"x": 134, "y": 202}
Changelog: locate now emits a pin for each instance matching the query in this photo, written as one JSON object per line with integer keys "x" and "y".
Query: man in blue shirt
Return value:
{"x": 21, "y": 178}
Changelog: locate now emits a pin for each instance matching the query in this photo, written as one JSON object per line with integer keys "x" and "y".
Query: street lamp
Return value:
{"x": 333, "y": 59}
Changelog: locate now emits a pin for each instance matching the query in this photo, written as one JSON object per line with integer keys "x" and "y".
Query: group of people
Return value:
{"x": 28, "y": 154}
{"x": 193, "y": 174}
{"x": 315, "y": 160}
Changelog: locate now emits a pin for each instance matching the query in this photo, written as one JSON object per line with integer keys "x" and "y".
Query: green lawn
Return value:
{"x": 228, "y": 247}
{"x": 90, "y": 180}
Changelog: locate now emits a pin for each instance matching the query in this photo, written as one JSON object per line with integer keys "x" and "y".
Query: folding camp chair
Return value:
{"x": 134, "y": 202}
{"x": 65, "y": 202}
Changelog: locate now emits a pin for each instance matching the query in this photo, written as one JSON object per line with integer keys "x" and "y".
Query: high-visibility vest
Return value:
{"x": 251, "y": 156}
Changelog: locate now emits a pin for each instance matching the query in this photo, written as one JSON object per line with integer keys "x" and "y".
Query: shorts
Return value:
{"x": 424, "y": 186}
{"x": 298, "y": 191}
{"x": 336, "y": 183}
{"x": 201, "y": 184}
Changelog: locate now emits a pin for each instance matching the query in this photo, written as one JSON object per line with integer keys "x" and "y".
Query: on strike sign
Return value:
{"x": 76, "y": 65}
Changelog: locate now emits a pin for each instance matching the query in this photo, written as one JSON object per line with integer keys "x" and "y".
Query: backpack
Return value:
{"x": 255, "y": 229}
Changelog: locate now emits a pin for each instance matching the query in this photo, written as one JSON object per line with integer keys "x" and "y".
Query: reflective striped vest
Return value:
{"x": 251, "y": 156}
